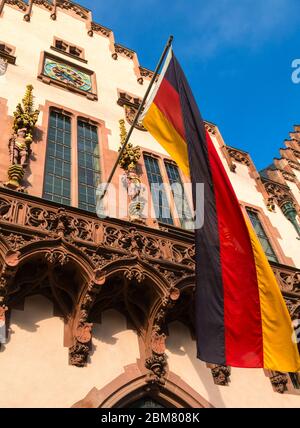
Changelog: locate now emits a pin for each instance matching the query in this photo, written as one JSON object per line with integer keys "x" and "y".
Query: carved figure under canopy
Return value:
{"x": 19, "y": 146}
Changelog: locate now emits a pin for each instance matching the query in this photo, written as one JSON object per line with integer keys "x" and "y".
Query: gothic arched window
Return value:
{"x": 57, "y": 184}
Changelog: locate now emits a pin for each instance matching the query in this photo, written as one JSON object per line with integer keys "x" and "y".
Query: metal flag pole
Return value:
{"x": 163, "y": 56}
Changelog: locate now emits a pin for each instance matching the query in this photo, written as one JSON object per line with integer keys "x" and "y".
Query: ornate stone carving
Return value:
{"x": 62, "y": 224}
{"x": 156, "y": 364}
{"x": 221, "y": 375}
{"x": 130, "y": 113}
{"x": 43, "y": 3}
{"x": 239, "y": 156}
{"x": 117, "y": 241}
{"x": 282, "y": 195}
{"x": 124, "y": 51}
{"x": 279, "y": 382}
{"x": 55, "y": 257}
{"x": 18, "y": 3}
{"x": 97, "y": 28}
{"x": 7, "y": 275}
{"x": 183, "y": 255}
{"x": 131, "y": 105}
{"x": 288, "y": 176}
{"x": 84, "y": 333}
{"x": 104, "y": 259}
{"x": 290, "y": 281}
{"x": 78, "y": 10}
{"x": 20, "y": 143}
{"x": 148, "y": 74}
{"x": 79, "y": 352}
{"x": 106, "y": 243}
{"x": 294, "y": 165}
{"x": 17, "y": 241}
{"x": 210, "y": 128}
{"x": 133, "y": 241}
{"x": 279, "y": 193}
{"x": 134, "y": 273}
{"x": 59, "y": 223}
{"x": 158, "y": 343}
{"x": 20, "y": 148}
{"x": 293, "y": 306}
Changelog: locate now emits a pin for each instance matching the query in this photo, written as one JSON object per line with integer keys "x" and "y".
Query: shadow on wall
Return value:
{"x": 181, "y": 350}
{"x": 112, "y": 325}
{"x": 37, "y": 139}
{"x": 41, "y": 309}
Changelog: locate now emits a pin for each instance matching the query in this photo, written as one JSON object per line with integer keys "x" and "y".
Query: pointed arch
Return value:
{"x": 132, "y": 385}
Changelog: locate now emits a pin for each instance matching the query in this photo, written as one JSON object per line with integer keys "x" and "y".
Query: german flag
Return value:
{"x": 241, "y": 317}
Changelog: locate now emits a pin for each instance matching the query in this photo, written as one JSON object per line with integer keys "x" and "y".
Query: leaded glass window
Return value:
{"x": 179, "y": 196}
{"x": 57, "y": 184}
{"x": 262, "y": 236}
{"x": 159, "y": 196}
{"x": 88, "y": 165}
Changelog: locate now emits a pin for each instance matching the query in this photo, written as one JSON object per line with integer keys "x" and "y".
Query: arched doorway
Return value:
{"x": 131, "y": 390}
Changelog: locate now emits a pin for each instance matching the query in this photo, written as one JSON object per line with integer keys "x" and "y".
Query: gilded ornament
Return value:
{"x": 25, "y": 119}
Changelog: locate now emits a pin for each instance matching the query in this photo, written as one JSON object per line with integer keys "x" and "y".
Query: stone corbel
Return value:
{"x": 279, "y": 382}
{"x": 221, "y": 374}
{"x": 82, "y": 332}
{"x": 79, "y": 352}
{"x": 156, "y": 362}
{"x": 9, "y": 270}
{"x": 7, "y": 276}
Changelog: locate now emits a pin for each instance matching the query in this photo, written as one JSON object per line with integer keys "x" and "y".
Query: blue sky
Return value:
{"x": 237, "y": 55}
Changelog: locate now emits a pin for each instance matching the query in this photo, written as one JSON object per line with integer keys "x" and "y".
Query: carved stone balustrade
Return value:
{"x": 115, "y": 264}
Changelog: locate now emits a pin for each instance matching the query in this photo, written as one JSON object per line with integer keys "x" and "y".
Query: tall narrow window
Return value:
{"x": 262, "y": 236}
{"x": 88, "y": 165}
{"x": 159, "y": 197}
{"x": 57, "y": 185}
{"x": 180, "y": 199}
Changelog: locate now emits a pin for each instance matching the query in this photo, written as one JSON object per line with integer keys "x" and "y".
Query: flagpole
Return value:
{"x": 134, "y": 123}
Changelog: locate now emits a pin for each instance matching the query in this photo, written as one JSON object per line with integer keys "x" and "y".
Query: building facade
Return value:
{"x": 98, "y": 312}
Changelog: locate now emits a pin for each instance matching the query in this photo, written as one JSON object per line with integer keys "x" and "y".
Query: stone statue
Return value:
{"x": 25, "y": 119}
{"x": 20, "y": 148}
{"x": 132, "y": 182}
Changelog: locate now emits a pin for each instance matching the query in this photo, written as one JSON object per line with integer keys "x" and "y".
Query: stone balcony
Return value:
{"x": 86, "y": 265}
